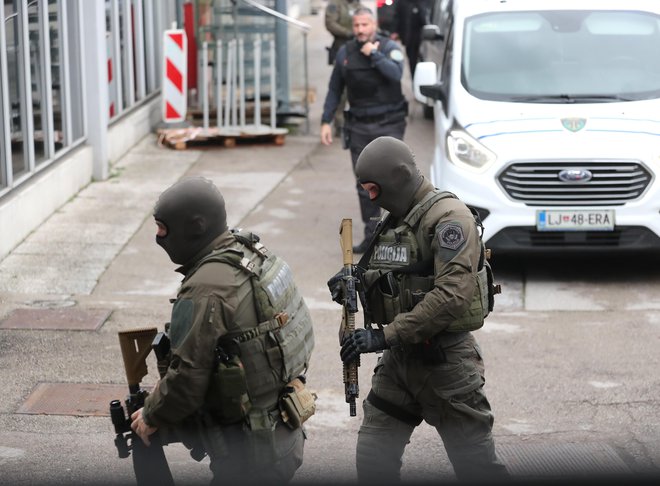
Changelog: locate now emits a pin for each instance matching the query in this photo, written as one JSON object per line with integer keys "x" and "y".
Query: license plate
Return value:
{"x": 584, "y": 220}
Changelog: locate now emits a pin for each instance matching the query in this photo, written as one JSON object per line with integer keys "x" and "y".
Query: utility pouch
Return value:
{"x": 384, "y": 299}
{"x": 161, "y": 347}
{"x": 260, "y": 430}
{"x": 227, "y": 395}
{"x": 297, "y": 403}
{"x": 345, "y": 136}
{"x": 493, "y": 288}
{"x": 473, "y": 318}
{"x": 414, "y": 290}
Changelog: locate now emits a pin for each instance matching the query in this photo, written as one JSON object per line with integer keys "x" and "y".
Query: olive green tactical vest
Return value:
{"x": 404, "y": 260}
{"x": 278, "y": 348}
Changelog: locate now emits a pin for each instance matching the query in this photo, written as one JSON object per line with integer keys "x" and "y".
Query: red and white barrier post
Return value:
{"x": 112, "y": 80}
{"x": 175, "y": 65}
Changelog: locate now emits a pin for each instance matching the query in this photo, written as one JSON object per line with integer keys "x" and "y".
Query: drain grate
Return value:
{"x": 544, "y": 460}
{"x": 78, "y": 399}
{"x": 57, "y": 319}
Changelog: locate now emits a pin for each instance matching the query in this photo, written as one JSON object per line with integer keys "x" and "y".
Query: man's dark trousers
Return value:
{"x": 361, "y": 134}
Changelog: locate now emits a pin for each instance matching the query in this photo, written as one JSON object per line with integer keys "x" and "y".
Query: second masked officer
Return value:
{"x": 426, "y": 286}
{"x": 370, "y": 67}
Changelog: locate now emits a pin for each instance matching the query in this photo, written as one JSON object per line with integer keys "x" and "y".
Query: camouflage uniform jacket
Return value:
{"x": 207, "y": 307}
{"x": 455, "y": 265}
{"x": 339, "y": 19}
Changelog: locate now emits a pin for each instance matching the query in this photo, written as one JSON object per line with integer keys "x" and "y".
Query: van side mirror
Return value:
{"x": 426, "y": 76}
{"x": 435, "y": 92}
{"x": 432, "y": 32}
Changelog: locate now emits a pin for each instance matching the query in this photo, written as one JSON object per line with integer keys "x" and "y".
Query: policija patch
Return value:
{"x": 451, "y": 236}
{"x": 391, "y": 253}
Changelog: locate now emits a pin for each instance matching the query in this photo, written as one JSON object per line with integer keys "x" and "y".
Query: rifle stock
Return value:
{"x": 351, "y": 386}
{"x": 149, "y": 463}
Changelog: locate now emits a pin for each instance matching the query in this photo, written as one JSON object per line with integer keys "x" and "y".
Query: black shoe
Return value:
{"x": 362, "y": 247}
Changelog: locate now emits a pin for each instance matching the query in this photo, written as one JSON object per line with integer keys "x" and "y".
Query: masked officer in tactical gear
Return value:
{"x": 370, "y": 67}
{"x": 420, "y": 284}
{"x": 219, "y": 384}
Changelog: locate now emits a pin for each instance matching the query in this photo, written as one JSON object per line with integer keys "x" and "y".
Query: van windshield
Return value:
{"x": 571, "y": 56}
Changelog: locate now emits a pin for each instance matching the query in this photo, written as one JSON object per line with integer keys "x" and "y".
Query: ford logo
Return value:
{"x": 575, "y": 175}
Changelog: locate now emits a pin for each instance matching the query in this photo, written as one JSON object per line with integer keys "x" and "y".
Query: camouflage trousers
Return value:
{"x": 259, "y": 459}
{"x": 448, "y": 395}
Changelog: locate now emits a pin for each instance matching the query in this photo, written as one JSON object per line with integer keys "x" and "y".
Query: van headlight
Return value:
{"x": 465, "y": 151}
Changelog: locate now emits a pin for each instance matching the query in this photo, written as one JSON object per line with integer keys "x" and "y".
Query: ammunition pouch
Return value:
{"x": 297, "y": 403}
{"x": 227, "y": 396}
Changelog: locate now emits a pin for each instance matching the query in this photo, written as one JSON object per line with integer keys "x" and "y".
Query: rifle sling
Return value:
{"x": 364, "y": 261}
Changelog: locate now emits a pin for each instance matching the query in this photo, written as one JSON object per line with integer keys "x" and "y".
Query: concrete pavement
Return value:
{"x": 97, "y": 254}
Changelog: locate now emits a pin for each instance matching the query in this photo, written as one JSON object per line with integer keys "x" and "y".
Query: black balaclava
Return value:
{"x": 389, "y": 163}
{"x": 193, "y": 210}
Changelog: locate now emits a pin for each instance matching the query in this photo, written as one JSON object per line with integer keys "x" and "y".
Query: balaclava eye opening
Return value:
{"x": 193, "y": 211}
{"x": 389, "y": 163}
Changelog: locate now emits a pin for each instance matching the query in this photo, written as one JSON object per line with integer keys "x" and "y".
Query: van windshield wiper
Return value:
{"x": 566, "y": 98}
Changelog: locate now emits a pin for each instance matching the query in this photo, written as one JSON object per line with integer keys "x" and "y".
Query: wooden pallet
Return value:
{"x": 182, "y": 138}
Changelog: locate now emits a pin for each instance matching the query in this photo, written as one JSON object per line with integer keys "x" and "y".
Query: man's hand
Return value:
{"x": 362, "y": 341}
{"x": 141, "y": 428}
{"x": 368, "y": 47}
{"x": 336, "y": 284}
{"x": 326, "y": 134}
{"x": 336, "y": 287}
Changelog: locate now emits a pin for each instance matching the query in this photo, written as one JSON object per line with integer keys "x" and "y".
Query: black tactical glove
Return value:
{"x": 362, "y": 341}
{"x": 337, "y": 286}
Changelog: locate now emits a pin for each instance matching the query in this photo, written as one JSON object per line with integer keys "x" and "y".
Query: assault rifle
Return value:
{"x": 149, "y": 462}
{"x": 350, "y": 307}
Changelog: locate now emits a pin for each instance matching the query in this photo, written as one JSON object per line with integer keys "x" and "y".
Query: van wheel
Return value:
{"x": 428, "y": 112}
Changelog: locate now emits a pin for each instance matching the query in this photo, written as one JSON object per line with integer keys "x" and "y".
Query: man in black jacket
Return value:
{"x": 410, "y": 17}
{"x": 370, "y": 67}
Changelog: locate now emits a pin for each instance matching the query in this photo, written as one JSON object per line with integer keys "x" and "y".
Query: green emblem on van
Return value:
{"x": 574, "y": 124}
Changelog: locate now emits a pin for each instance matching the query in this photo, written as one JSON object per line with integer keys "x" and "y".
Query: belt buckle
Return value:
{"x": 282, "y": 318}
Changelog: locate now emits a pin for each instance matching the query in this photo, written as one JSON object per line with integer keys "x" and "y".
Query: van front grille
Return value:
{"x": 575, "y": 183}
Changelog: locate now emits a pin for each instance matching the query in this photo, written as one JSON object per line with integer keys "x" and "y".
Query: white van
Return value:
{"x": 547, "y": 116}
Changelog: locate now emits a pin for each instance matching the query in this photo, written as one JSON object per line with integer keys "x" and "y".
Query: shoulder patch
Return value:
{"x": 181, "y": 321}
{"x": 451, "y": 236}
{"x": 331, "y": 8}
{"x": 396, "y": 55}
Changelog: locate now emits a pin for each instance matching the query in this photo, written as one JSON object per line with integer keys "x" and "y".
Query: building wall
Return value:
{"x": 89, "y": 105}
{"x": 28, "y": 206}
